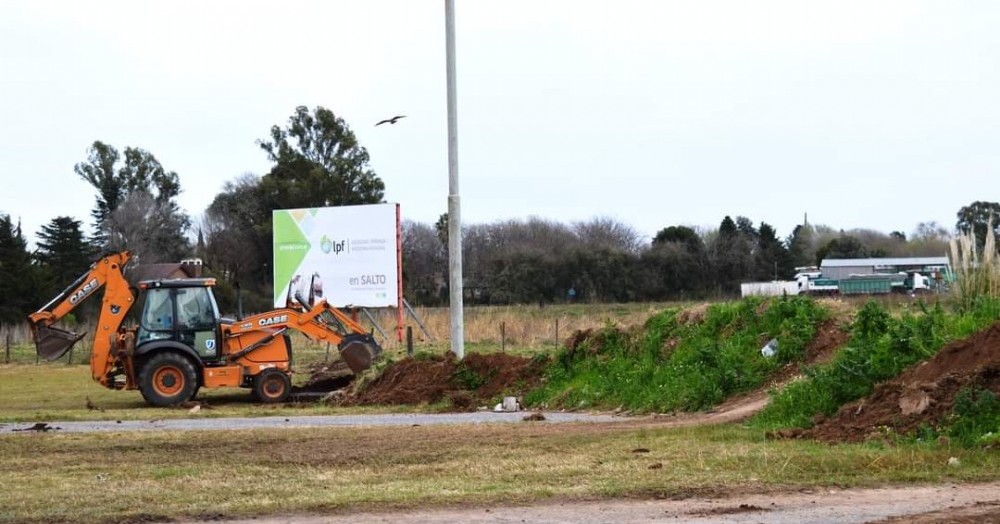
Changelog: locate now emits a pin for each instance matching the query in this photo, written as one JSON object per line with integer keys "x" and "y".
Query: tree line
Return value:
{"x": 317, "y": 161}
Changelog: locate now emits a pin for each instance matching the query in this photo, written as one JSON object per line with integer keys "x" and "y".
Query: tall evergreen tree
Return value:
{"x": 801, "y": 246}
{"x": 63, "y": 249}
{"x": 771, "y": 259}
{"x": 732, "y": 253}
{"x": 19, "y": 290}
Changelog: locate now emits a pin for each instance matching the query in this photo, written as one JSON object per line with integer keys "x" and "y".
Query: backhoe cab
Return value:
{"x": 181, "y": 343}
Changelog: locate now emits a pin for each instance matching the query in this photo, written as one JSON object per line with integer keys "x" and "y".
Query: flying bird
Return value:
{"x": 391, "y": 120}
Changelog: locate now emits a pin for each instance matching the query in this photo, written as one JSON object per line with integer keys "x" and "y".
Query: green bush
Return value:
{"x": 670, "y": 365}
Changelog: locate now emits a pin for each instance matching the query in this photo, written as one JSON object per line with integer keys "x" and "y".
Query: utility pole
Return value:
{"x": 454, "y": 202}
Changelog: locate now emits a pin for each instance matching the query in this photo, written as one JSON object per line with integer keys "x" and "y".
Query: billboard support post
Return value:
{"x": 399, "y": 276}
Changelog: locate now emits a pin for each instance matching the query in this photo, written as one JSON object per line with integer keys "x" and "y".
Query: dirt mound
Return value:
{"x": 324, "y": 378}
{"x": 923, "y": 394}
{"x": 480, "y": 379}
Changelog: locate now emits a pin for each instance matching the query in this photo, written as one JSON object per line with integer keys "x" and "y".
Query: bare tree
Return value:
{"x": 148, "y": 227}
{"x": 425, "y": 265}
{"x": 608, "y": 233}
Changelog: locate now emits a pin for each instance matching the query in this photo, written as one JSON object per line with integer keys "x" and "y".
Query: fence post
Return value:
{"x": 503, "y": 337}
{"x": 557, "y": 332}
{"x": 8, "y": 347}
{"x": 409, "y": 341}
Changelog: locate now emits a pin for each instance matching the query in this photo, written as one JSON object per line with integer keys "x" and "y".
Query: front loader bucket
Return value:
{"x": 52, "y": 342}
{"x": 358, "y": 352}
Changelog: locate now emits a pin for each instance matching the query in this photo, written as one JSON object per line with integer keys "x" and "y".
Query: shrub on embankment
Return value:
{"x": 680, "y": 360}
{"x": 881, "y": 347}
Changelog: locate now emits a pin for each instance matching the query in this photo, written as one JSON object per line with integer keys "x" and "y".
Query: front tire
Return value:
{"x": 272, "y": 386}
{"x": 167, "y": 379}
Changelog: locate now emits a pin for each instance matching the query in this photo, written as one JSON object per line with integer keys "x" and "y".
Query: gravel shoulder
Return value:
{"x": 208, "y": 424}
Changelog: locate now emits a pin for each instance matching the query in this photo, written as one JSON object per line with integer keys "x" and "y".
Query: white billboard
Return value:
{"x": 347, "y": 255}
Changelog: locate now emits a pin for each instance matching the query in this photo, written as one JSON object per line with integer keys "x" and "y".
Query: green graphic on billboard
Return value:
{"x": 290, "y": 245}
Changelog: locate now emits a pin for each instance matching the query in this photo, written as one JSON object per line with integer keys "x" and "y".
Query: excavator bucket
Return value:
{"x": 359, "y": 351}
{"x": 52, "y": 342}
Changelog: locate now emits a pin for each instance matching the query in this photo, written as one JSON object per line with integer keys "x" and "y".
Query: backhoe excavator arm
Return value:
{"x": 52, "y": 342}
{"x": 321, "y": 323}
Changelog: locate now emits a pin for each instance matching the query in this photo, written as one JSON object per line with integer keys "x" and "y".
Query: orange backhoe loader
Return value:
{"x": 181, "y": 344}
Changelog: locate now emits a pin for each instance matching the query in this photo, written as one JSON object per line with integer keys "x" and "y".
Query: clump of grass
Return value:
{"x": 468, "y": 378}
{"x": 975, "y": 418}
{"x": 673, "y": 364}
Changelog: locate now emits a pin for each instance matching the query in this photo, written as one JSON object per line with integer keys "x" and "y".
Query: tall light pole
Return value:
{"x": 454, "y": 202}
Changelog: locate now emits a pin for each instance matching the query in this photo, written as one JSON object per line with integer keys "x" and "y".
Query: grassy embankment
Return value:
{"x": 211, "y": 474}
{"x": 677, "y": 362}
{"x": 674, "y": 364}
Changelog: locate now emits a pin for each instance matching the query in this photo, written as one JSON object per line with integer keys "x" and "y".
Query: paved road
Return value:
{"x": 405, "y": 419}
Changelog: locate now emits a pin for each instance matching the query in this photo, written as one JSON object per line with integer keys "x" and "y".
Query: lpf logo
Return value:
{"x": 331, "y": 246}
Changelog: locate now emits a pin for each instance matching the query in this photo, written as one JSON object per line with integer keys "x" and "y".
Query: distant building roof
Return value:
{"x": 184, "y": 269}
{"x": 910, "y": 261}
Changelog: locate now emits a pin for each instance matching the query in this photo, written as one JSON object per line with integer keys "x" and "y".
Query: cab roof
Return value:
{"x": 177, "y": 283}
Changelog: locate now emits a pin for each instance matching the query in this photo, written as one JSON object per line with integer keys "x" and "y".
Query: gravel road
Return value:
{"x": 405, "y": 419}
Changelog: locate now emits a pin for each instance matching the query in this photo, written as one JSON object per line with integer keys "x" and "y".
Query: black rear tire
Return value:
{"x": 272, "y": 386}
{"x": 167, "y": 379}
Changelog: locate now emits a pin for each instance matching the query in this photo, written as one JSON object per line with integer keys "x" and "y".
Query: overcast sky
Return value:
{"x": 862, "y": 114}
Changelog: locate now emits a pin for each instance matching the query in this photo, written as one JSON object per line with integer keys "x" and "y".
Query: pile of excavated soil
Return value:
{"x": 480, "y": 379}
{"x": 324, "y": 378}
{"x": 923, "y": 394}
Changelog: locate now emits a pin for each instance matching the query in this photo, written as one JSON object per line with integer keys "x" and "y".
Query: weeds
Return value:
{"x": 468, "y": 378}
{"x": 670, "y": 365}
{"x": 975, "y": 419}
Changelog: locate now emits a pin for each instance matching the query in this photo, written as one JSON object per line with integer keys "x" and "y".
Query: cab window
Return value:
{"x": 195, "y": 309}
{"x": 159, "y": 314}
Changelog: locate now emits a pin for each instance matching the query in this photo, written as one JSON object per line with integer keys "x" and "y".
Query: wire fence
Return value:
{"x": 523, "y": 329}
